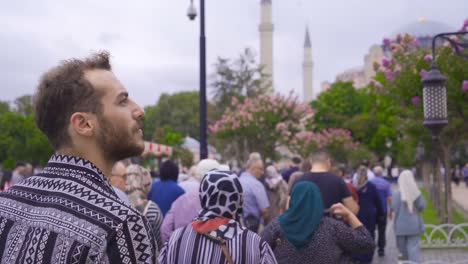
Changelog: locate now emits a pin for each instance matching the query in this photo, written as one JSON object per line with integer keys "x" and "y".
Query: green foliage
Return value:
{"x": 335, "y": 106}
{"x": 4, "y": 107}
{"x": 178, "y": 112}
{"x": 21, "y": 140}
{"x": 183, "y": 155}
{"x": 241, "y": 78}
{"x": 24, "y": 105}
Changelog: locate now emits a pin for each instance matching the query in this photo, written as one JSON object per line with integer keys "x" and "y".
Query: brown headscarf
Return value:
{"x": 138, "y": 185}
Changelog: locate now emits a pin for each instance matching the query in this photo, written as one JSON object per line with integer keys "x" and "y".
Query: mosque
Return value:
{"x": 361, "y": 75}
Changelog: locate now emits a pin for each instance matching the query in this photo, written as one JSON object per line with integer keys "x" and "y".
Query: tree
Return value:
{"x": 336, "y": 105}
{"x": 260, "y": 124}
{"x": 178, "y": 112}
{"x": 4, "y": 107}
{"x": 24, "y": 105}
{"x": 21, "y": 140}
{"x": 242, "y": 78}
{"x": 399, "y": 81}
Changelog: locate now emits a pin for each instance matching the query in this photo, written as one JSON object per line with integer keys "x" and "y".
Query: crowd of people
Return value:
{"x": 90, "y": 204}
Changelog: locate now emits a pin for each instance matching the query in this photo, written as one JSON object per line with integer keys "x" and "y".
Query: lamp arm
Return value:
{"x": 455, "y": 45}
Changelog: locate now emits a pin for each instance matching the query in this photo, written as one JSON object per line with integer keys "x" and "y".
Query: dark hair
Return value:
{"x": 169, "y": 171}
{"x": 64, "y": 90}
{"x": 306, "y": 165}
{"x": 365, "y": 163}
{"x": 20, "y": 164}
{"x": 6, "y": 177}
{"x": 296, "y": 160}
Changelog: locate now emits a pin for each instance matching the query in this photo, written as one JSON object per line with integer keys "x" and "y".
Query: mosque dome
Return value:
{"x": 191, "y": 143}
{"x": 424, "y": 28}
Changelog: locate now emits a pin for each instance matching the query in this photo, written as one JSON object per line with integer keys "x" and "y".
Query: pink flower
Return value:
{"x": 385, "y": 62}
{"x": 389, "y": 74}
{"x": 386, "y": 41}
{"x": 428, "y": 57}
{"x": 416, "y": 42}
{"x": 397, "y": 69}
{"x": 415, "y": 100}
{"x": 465, "y": 85}
{"x": 423, "y": 73}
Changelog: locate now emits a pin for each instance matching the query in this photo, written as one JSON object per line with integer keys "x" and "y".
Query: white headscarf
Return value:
{"x": 408, "y": 188}
{"x": 273, "y": 177}
{"x": 205, "y": 166}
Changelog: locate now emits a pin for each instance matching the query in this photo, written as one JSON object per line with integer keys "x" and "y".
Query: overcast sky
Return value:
{"x": 155, "y": 47}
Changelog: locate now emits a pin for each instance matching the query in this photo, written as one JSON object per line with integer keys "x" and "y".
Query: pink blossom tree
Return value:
{"x": 261, "y": 124}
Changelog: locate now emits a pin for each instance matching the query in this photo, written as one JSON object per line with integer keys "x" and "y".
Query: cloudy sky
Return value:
{"x": 155, "y": 47}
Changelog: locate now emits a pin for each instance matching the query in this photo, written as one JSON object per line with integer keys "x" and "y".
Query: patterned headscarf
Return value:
{"x": 361, "y": 177}
{"x": 138, "y": 186}
{"x": 221, "y": 201}
{"x": 220, "y": 195}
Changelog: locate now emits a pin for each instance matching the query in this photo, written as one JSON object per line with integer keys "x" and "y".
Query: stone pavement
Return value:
{"x": 428, "y": 256}
{"x": 460, "y": 196}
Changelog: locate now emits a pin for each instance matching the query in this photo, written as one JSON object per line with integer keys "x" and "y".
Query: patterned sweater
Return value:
{"x": 70, "y": 214}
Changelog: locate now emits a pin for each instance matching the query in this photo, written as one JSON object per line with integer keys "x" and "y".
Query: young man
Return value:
{"x": 332, "y": 187}
{"x": 69, "y": 213}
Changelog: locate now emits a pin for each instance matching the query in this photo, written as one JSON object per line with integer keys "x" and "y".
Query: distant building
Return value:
{"x": 424, "y": 30}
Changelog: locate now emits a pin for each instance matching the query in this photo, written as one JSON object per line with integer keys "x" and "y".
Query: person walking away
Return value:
{"x": 296, "y": 162}
{"x": 340, "y": 171}
{"x": 370, "y": 209}
{"x": 465, "y": 174}
{"x": 456, "y": 174}
{"x": 332, "y": 187}
{"x": 165, "y": 191}
{"x": 407, "y": 204}
{"x": 385, "y": 195}
{"x": 69, "y": 213}
{"x": 185, "y": 208}
{"x": 137, "y": 187}
{"x": 256, "y": 204}
{"x": 216, "y": 236}
{"x": 306, "y": 166}
{"x": 303, "y": 234}
{"x": 277, "y": 191}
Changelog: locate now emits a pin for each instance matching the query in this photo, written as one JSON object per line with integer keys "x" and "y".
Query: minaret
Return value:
{"x": 307, "y": 67}
{"x": 266, "y": 39}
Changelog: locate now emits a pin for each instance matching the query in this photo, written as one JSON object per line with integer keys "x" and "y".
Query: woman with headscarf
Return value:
{"x": 215, "y": 235}
{"x": 277, "y": 191}
{"x": 304, "y": 234}
{"x": 370, "y": 208}
{"x": 408, "y": 224}
{"x": 138, "y": 185}
{"x": 187, "y": 206}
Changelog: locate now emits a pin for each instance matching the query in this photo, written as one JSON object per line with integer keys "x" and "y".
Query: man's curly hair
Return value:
{"x": 62, "y": 91}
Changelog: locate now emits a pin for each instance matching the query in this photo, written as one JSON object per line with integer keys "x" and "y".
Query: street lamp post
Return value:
{"x": 192, "y": 13}
{"x": 435, "y": 108}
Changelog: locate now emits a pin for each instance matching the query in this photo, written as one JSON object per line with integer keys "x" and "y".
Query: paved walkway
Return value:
{"x": 429, "y": 256}
{"x": 460, "y": 195}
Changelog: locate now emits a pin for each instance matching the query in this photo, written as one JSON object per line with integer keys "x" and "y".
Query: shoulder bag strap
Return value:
{"x": 224, "y": 247}
{"x": 146, "y": 208}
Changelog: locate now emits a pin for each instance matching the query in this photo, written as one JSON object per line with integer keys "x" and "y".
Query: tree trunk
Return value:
{"x": 448, "y": 184}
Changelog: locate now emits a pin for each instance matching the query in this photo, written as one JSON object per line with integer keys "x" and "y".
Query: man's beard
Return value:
{"x": 117, "y": 143}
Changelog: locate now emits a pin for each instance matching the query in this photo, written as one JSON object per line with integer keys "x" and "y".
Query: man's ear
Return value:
{"x": 83, "y": 123}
